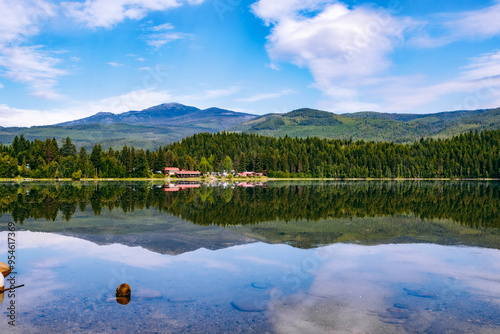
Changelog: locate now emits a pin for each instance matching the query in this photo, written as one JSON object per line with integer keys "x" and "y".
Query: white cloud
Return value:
{"x": 483, "y": 23}
{"x": 162, "y": 35}
{"x": 482, "y": 67}
{"x": 33, "y": 66}
{"x": 1, "y": 86}
{"x": 162, "y": 27}
{"x": 348, "y": 52}
{"x": 160, "y": 39}
{"x": 19, "y": 18}
{"x": 114, "y": 64}
{"x": 30, "y": 65}
{"x": 274, "y": 11}
{"x": 476, "y": 86}
{"x": 75, "y": 59}
{"x": 266, "y": 96}
{"x": 136, "y": 57}
{"x": 106, "y": 14}
{"x": 135, "y": 100}
{"x": 10, "y": 116}
{"x": 450, "y": 27}
{"x": 338, "y": 45}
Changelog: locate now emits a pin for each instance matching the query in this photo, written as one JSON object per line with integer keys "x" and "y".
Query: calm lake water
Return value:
{"x": 297, "y": 257}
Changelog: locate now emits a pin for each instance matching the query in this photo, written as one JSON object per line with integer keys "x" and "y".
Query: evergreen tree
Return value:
{"x": 68, "y": 149}
{"x": 95, "y": 157}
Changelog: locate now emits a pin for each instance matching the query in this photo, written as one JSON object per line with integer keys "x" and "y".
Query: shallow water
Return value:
{"x": 323, "y": 271}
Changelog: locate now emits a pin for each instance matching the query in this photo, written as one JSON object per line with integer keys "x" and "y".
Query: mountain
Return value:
{"x": 371, "y": 125}
{"x": 168, "y": 114}
{"x": 166, "y": 123}
{"x": 148, "y": 128}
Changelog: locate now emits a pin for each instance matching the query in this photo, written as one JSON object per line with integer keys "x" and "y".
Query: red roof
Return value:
{"x": 188, "y": 172}
{"x": 184, "y": 186}
{"x": 171, "y": 168}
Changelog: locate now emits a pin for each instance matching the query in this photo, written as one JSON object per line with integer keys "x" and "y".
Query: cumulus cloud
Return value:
{"x": 106, "y": 14}
{"x": 348, "y": 51}
{"x": 339, "y": 45}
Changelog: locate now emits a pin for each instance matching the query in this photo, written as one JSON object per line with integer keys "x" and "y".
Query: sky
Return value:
{"x": 64, "y": 60}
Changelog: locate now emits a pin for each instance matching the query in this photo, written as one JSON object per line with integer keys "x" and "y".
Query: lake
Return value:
{"x": 280, "y": 257}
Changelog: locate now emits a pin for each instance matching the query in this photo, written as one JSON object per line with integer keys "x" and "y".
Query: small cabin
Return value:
{"x": 170, "y": 171}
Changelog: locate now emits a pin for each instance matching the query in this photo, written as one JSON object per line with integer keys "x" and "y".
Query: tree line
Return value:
{"x": 468, "y": 155}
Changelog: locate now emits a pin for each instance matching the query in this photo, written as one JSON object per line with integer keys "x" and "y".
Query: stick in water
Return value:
{"x": 3, "y": 290}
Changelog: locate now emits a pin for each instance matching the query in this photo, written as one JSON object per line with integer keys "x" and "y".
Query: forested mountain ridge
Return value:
{"x": 468, "y": 155}
{"x": 401, "y": 128}
{"x": 167, "y": 123}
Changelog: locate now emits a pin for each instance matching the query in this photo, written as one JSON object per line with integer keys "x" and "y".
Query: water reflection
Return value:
{"x": 258, "y": 287}
{"x": 469, "y": 203}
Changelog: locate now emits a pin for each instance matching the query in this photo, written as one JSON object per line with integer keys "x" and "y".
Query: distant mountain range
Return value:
{"x": 148, "y": 128}
{"x": 169, "y": 114}
{"x": 166, "y": 123}
{"x": 371, "y": 125}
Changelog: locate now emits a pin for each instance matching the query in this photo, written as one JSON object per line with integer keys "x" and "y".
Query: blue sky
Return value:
{"x": 62, "y": 60}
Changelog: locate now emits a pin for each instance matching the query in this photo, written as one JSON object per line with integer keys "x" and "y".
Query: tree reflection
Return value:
{"x": 472, "y": 204}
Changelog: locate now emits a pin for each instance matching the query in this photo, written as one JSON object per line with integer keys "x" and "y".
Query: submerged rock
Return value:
{"x": 123, "y": 293}
{"x": 261, "y": 285}
{"x": 5, "y": 269}
{"x": 395, "y": 315}
{"x": 420, "y": 293}
{"x": 250, "y": 304}
{"x": 123, "y": 290}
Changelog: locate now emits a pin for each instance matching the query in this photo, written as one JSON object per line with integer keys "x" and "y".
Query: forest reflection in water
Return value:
{"x": 303, "y": 214}
{"x": 468, "y": 203}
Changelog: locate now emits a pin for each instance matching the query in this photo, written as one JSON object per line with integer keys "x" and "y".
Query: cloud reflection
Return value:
{"x": 355, "y": 285}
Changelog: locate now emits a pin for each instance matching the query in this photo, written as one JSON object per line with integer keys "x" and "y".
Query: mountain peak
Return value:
{"x": 170, "y": 105}
{"x": 104, "y": 113}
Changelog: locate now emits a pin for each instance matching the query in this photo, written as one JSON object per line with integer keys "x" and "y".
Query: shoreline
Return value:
{"x": 245, "y": 179}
